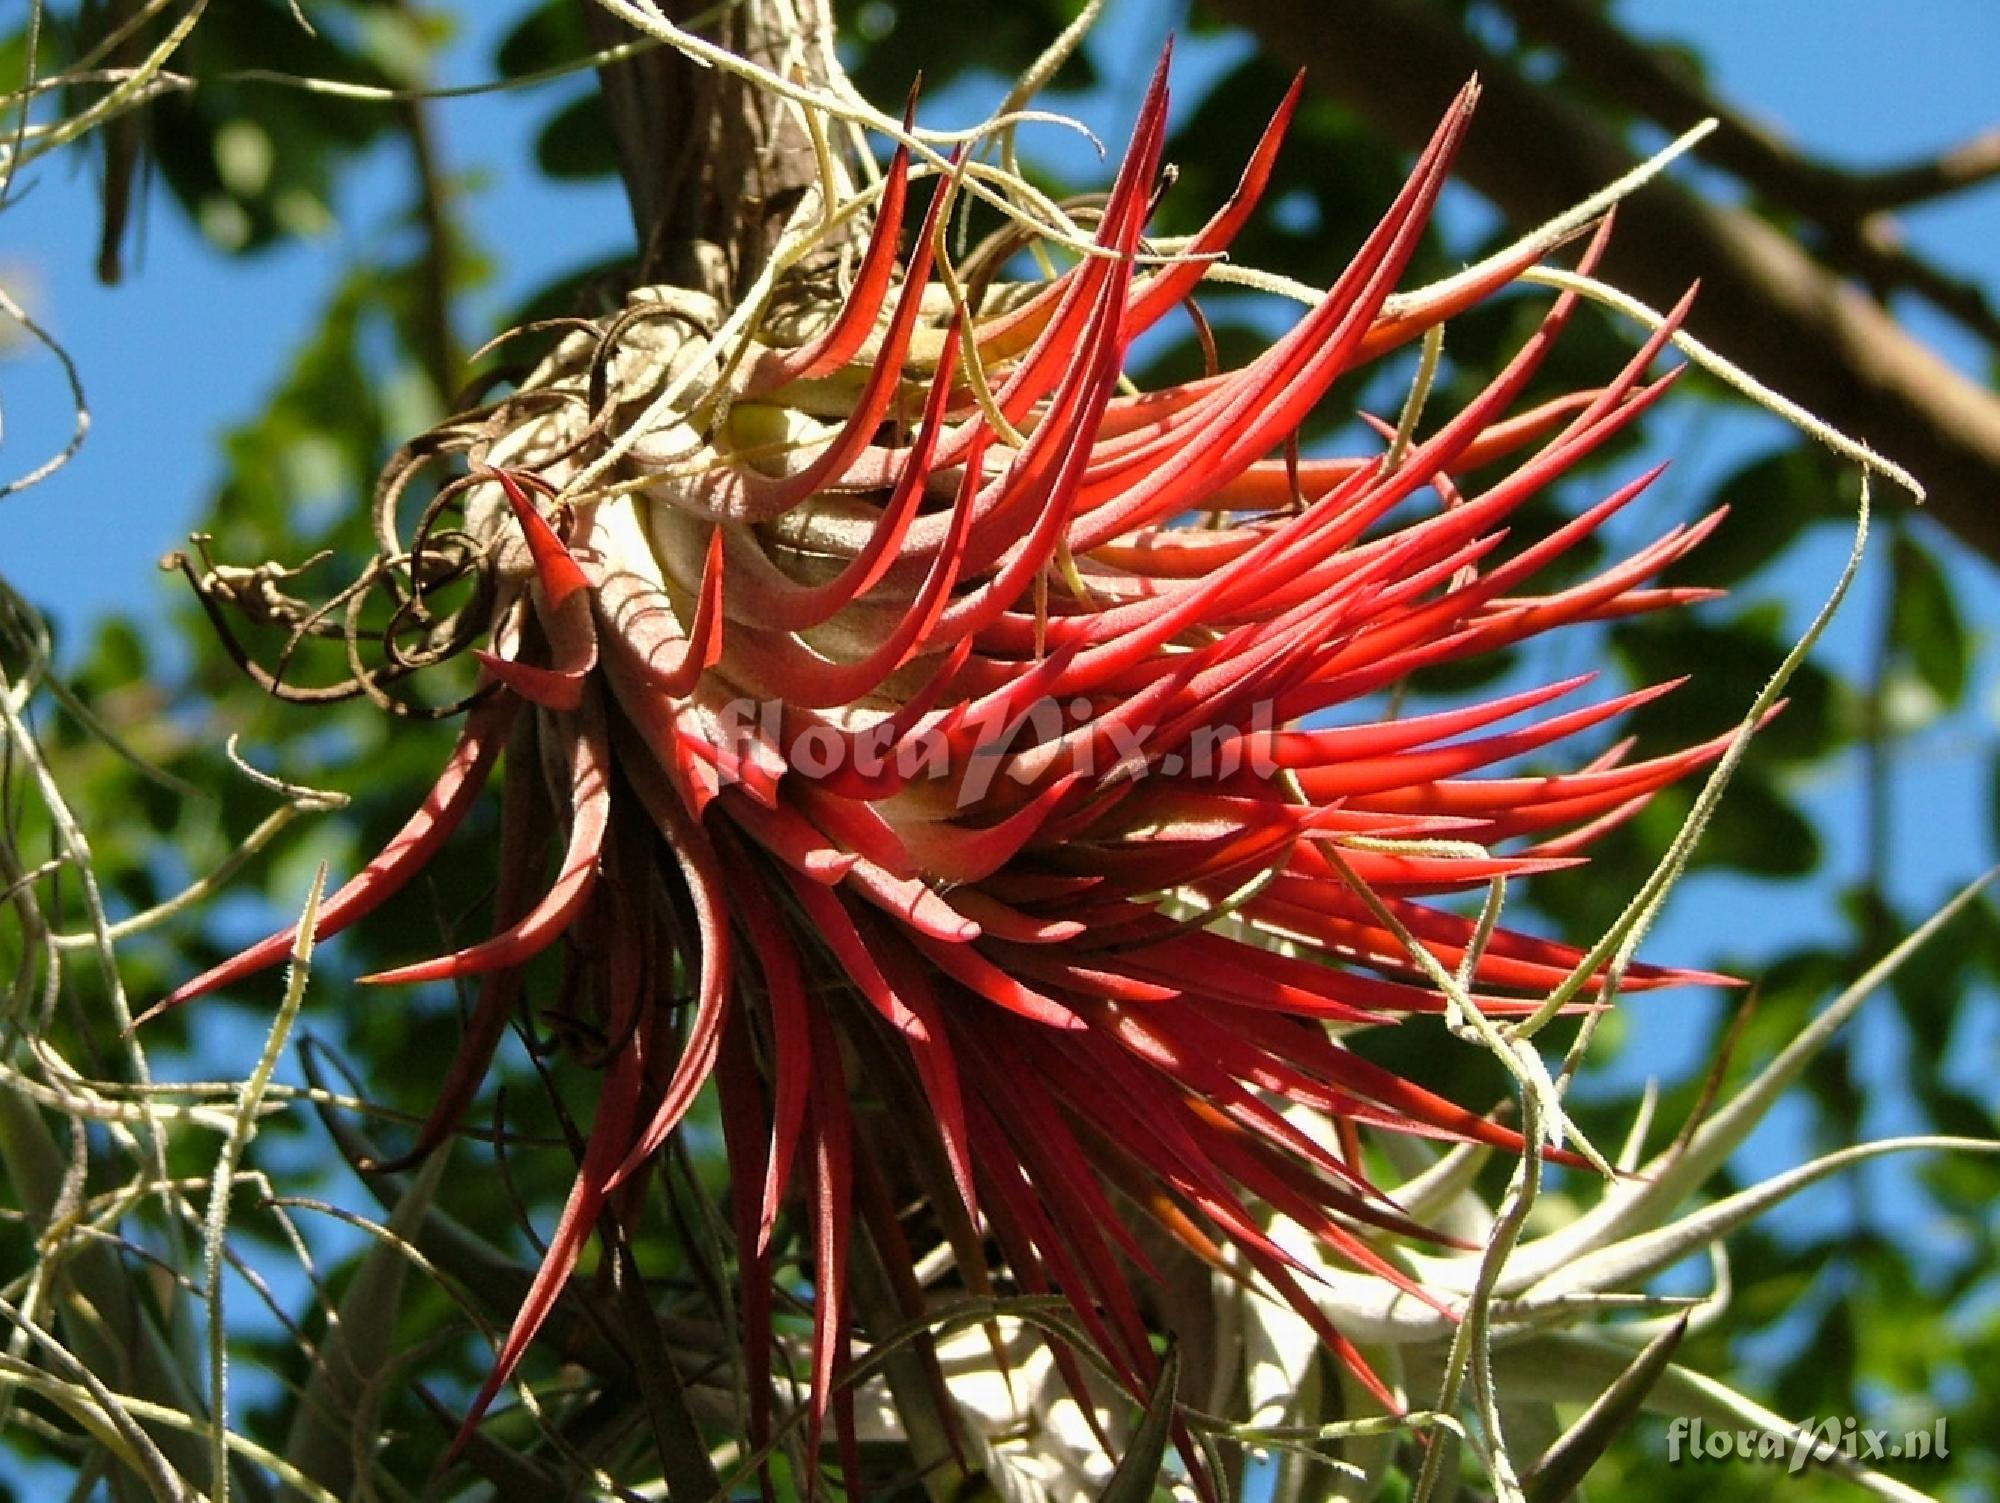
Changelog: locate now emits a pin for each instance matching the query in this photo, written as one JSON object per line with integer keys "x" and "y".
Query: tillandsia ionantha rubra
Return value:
{"x": 951, "y": 722}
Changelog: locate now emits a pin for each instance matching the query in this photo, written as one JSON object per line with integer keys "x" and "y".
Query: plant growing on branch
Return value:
{"x": 976, "y": 781}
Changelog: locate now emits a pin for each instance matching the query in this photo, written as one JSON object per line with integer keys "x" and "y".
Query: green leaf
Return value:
{"x": 252, "y": 163}
{"x": 338, "y": 1396}
{"x": 903, "y": 38}
{"x": 1726, "y": 665}
{"x": 551, "y": 33}
{"x": 1925, "y": 620}
{"x": 1138, "y": 1472}
{"x": 1760, "y": 831}
{"x": 1563, "y": 1467}
{"x": 1771, "y": 500}
{"x": 576, "y": 142}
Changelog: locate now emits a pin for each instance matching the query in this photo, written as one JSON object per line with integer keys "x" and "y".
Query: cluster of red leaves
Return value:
{"x": 952, "y": 973}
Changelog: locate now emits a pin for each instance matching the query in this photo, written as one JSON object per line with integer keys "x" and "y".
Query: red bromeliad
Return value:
{"x": 965, "y": 755}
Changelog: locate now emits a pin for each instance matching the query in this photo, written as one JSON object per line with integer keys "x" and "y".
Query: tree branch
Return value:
{"x": 435, "y": 343}
{"x": 1850, "y": 206}
{"x": 1964, "y": 166}
{"x": 711, "y": 165}
{"x": 1764, "y": 302}
{"x": 1653, "y": 83}
{"x": 1880, "y": 259}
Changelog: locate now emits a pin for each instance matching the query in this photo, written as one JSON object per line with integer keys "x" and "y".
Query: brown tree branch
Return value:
{"x": 436, "y": 344}
{"x": 712, "y": 166}
{"x": 1964, "y": 166}
{"x": 1850, "y": 206}
{"x": 1764, "y": 302}
{"x": 1880, "y": 259}
{"x": 1653, "y": 83}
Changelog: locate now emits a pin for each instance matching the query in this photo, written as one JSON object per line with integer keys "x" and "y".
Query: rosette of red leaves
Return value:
{"x": 892, "y": 759}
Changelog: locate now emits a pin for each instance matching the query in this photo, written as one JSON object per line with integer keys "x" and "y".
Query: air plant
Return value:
{"x": 997, "y": 755}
